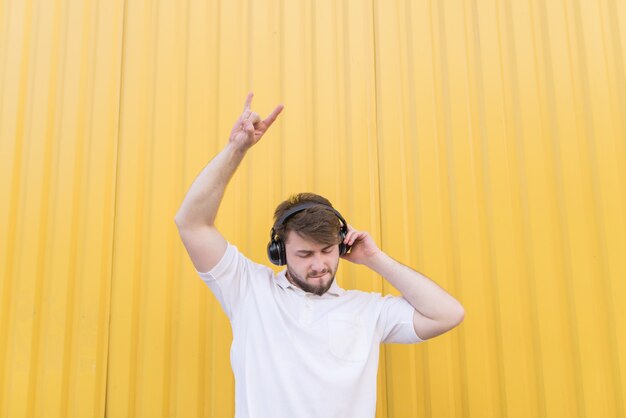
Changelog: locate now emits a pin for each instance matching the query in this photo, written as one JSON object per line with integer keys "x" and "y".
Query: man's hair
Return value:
{"x": 317, "y": 223}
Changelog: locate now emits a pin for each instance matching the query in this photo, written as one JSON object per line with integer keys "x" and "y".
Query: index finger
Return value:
{"x": 272, "y": 116}
{"x": 248, "y": 101}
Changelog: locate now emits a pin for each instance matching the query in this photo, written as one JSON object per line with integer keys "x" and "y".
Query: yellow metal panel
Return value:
{"x": 58, "y": 118}
{"x": 524, "y": 169}
{"x": 480, "y": 142}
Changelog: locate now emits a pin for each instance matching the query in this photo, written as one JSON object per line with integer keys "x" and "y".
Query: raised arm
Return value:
{"x": 196, "y": 217}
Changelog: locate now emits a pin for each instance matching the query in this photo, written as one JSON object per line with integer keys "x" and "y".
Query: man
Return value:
{"x": 302, "y": 346}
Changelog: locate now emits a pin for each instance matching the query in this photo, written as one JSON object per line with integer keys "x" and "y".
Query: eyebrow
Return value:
{"x": 311, "y": 251}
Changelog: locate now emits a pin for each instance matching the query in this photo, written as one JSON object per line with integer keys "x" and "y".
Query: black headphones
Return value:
{"x": 276, "y": 247}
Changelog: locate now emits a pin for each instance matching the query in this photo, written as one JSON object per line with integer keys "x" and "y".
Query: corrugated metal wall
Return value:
{"x": 481, "y": 142}
{"x": 59, "y": 105}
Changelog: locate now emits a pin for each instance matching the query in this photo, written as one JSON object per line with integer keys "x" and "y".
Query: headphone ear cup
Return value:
{"x": 282, "y": 256}
{"x": 276, "y": 252}
{"x": 343, "y": 248}
{"x": 272, "y": 253}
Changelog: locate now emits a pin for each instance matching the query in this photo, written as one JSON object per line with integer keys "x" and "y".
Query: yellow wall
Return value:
{"x": 481, "y": 142}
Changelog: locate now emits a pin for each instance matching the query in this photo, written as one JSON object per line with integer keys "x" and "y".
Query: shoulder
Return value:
{"x": 366, "y": 300}
{"x": 361, "y": 294}
{"x": 235, "y": 263}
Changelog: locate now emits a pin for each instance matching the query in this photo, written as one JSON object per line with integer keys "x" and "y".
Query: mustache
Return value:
{"x": 318, "y": 273}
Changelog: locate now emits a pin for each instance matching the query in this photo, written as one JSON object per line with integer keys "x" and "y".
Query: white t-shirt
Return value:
{"x": 299, "y": 355}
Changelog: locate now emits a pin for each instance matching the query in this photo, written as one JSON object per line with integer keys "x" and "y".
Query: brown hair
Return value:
{"x": 317, "y": 223}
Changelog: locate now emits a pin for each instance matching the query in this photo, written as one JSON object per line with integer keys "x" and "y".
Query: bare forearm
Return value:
{"x": 422, "y": 293}
{"x": 196, "y": 217}
{"x": 203, "y": 199}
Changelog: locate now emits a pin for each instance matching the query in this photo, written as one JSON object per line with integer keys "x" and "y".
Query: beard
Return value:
{"x": 318, "y": 289}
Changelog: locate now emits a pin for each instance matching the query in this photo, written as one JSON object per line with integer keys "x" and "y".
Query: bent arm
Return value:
{"x": 196, "y": 217}
{"x": 436, "y": 311}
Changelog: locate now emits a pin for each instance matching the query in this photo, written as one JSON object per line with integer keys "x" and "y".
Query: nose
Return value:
{"x": 317, "y": 262}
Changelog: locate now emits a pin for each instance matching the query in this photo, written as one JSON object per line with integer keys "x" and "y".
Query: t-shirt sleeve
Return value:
{"x": 396, "y": 321}
{"x": 229, "y": 279}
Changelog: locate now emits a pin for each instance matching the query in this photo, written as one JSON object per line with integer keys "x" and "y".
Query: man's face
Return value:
{"x": 310, "y": 265}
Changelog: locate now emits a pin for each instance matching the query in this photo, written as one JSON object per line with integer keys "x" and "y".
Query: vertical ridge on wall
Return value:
{"x": 116, "y": 182}
{"x": 35, "y": 346}
{"x": 209, "y": 305}
{"x": 616, "y": 226}
{"x": 515, "y": 161}
{"x": 595, "y": 369}
{"x": 122, "y": 376}
{"x": 188, "y": 395}
{"x": 571, "y": 180}
{"x": 485, "y": 193}
{"x": 14, "y": 71}
{"x": 594, "y": 132}
{"x": 172, "y": 333}
{"x": 453, "y": 194}
{"x": 570, "y": 388}
{"x": 615, "y": 82}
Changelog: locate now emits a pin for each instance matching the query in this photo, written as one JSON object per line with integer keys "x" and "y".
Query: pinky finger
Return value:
{"x": 272, "y": 116}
